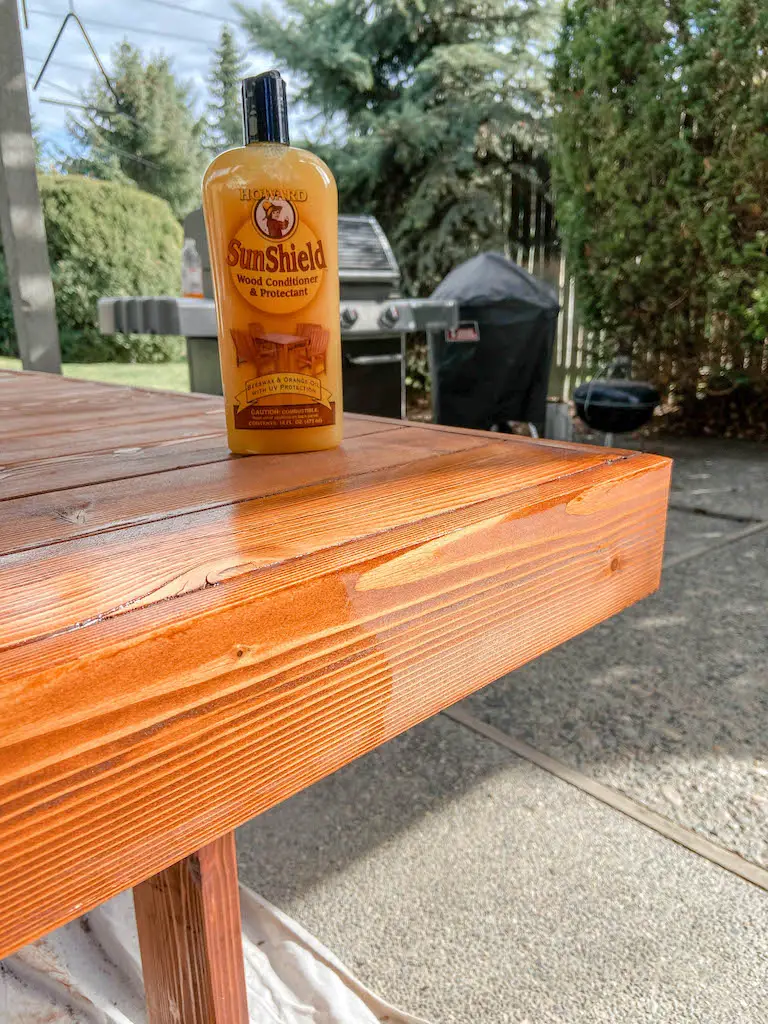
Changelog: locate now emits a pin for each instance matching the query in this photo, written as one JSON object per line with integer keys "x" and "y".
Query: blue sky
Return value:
{"x": 188, "y": 36}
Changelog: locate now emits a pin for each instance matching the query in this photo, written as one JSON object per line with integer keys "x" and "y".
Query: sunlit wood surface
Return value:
{"x": 187, "y": 638}
{"x": 188, "y": 920}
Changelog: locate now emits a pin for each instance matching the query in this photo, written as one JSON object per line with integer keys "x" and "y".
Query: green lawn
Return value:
{"x": 170, "y": 376}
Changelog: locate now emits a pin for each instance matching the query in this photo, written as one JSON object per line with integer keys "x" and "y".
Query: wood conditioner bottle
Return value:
{"x": 271, "y": 218}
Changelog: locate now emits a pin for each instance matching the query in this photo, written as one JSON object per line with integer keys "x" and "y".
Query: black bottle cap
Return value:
{"x": 265, "y": 109}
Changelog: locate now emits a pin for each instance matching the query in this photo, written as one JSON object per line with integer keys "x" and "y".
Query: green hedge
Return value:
{"x": 104, "y": 238}
{"x": 660, "y": 181}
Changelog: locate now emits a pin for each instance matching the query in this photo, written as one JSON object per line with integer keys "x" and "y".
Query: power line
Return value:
{"x": 80, "y": 106}
{"x": 61, "y": 64}
{"x": 63, "y": 88}
{"x": 185, "y": 10}
{"x": 85, "y": 106}
{"x": 101, "y": 142}
{"x": 128, "y": 28}
{"x": 92, "y": 109}
{"x": 55, "y": 85}
{"x": 189, "y": 10}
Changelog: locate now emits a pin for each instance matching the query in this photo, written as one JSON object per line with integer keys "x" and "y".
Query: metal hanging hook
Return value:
{"x": 91, "y": 47}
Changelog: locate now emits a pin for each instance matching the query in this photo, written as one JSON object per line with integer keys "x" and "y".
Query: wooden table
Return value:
{"x": 188, "y": 638}
{"x": 282, "y": 343}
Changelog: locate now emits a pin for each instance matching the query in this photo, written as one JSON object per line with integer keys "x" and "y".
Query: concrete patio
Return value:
{"x": 466, "y": 884}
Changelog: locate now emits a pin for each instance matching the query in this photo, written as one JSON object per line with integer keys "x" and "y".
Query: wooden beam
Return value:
{"x": 188, "y": 918}
{"x": 184, "y": 651}
{"x": 134, "y": 739}
{"x": 21, "y": 217}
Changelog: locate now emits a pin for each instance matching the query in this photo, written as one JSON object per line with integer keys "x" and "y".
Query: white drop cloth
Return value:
{"x": 89, "y": 972}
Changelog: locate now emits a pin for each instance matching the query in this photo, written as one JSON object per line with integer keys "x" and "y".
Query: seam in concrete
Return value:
{"x": 693, "y": 842}
{"x": 699, "y": 510}
{"x": 705, "y": 549}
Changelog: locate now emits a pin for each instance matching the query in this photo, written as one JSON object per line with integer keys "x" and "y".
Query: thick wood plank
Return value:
{"x": 19, "y": 398}
{"x": 135, "y": 740}
{"x": 114, "y": 437}
{"x": 54, "y": 474}
{"x": 75, "y": 512}
{"x": 20, "y": 385}
{"x": 135, "y": 460}
{"x": 188, "y": 918}
{"x": 99, "y": 638}
{"x": 50, "y": 589}
{"x": 69, "y": 396}
{"x": 189, "y": 638}
{"x": 86, "y": 415}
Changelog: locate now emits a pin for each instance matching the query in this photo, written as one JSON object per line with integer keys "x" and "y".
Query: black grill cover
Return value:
{"x": 504, "y": 376}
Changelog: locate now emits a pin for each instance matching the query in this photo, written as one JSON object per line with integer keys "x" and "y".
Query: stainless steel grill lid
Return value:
{"x": 364, "y": 252}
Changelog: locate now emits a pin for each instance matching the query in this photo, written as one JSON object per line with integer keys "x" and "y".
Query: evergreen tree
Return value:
{"x": 430, "y": 107}
{"x": 145, "y": 133}
{"x": 39, "y": 142}
{"x": 661, "y": 175}
{"x": 224, "y": 120}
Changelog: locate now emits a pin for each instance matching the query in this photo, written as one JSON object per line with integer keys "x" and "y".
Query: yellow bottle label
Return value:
{"x": 277, "y": 264}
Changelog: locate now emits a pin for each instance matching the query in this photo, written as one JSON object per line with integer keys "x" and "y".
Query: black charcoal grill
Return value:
{"x": 375, "y": 320}
{"x": 615, "y": 404}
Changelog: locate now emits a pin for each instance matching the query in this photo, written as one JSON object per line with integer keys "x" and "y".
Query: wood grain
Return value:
{"x": 108, "y": 437}
{"x": 50, "y": 589}
{"x": 188, "y": 918}
{"x": 65, "y": 388}
{"x": 85, "y": 415}
{"x": 182, "y": 669}
{"x": 64, "y": 514}
{"x": 45, "y": 475}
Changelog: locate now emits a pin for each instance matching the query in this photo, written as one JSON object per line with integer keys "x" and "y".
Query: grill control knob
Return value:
{"x": 348, "y": 317}
{"x": 389, "y": 316}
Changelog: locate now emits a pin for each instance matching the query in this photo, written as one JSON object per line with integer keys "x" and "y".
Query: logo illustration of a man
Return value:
{"x": 274, "y": 218}
{"x": 277, "y": 225}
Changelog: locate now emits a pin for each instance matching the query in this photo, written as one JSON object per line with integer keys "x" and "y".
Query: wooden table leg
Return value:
{"x": 188, "y": 918}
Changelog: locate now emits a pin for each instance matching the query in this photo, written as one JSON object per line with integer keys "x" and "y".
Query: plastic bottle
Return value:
{"x": 191, "y": 271}
{"x": 271, "y": 214}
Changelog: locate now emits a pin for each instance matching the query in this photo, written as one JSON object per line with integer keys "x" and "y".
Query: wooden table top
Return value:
{"x": 275, "y": 338}
{"x": 188, "y": 637}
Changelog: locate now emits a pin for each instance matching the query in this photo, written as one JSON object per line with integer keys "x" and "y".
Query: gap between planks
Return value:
{"x": 359, "y": 458}
{"x": 691, "y": 841}
{"x": 158, "y": 449}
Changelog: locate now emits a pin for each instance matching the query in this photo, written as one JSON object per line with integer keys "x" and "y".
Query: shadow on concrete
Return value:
{"x": 287, "y": 851}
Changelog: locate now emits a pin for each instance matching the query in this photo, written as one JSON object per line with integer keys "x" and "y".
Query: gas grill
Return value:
{"x": 375, "y": 319}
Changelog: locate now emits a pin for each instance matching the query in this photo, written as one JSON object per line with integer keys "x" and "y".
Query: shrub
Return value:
{"x": 7, "y": 331}
{"x": 660, "y": 175}
{"x": 104, "y": 238}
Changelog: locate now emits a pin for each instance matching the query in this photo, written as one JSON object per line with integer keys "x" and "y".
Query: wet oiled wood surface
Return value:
{"x": 188, "y": 637}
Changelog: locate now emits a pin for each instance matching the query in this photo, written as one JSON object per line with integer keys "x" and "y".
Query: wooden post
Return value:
{"x": 188, "y": 918}
{"x": 21, "y": 218}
